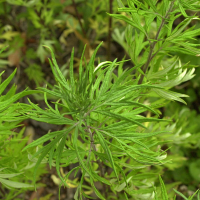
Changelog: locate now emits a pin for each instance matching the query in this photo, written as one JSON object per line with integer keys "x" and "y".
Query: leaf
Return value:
{"x": 129, "y": 21}
{"x": 43, "y": 152}
{"x": 14, "y": 184}
{"x": 130, "y": 103}
{"x": 184, "y": 197}
{"x": 197, "y": 192}
{"x": 58, "y": 74}
{"x": 9, "y": 175}
{"x": 112, "y": 95}
{"x": 182, "y": 10}
{"x": 137, "y": 135}
{"x": 59, "y": 151}
{"x": 163, "y": 189}
{"x": 3, "y": 49}
{"x": 5, "y": 104}
{"x": 107, "y": 152}
{"x": 91, "y": 63}
{"x": 71, "y": 71}
{"x": 96, "y": 191}
{"x": 179, "y": 29}
{"x": 117, "y": 116}
{"x": 106, "y": 80}
{"x": 170, "y": 95}
{"x": 81, "y": 69}
{"x": 120, "y": 4}
{"x": 78, "y": 154}
{"x": 48, "y": 137}
{"x": 120, "y": 187}
{"x": 7, "y": 81}
{"x": 125, "y": 195}
{"x": 163, "y": 72}
{"x": 152, "y": 5}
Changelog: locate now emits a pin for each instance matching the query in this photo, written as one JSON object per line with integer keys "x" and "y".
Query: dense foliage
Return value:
{"x": 120, "y": 124}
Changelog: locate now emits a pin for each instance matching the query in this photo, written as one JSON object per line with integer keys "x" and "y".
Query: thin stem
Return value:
{"x": 109, "y": 31}
{"x": 92, "y": 146}
{"x": 79, "y": 18}
{"x": 152, "y": 45}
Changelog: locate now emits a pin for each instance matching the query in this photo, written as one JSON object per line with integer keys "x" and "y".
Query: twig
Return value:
{"x": 152, "y": 45}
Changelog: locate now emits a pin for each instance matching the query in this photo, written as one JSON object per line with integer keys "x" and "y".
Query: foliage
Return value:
{"x": 113, "y": 131}
{"x": 106, "y": 108}
{"x": 15, "y": 167}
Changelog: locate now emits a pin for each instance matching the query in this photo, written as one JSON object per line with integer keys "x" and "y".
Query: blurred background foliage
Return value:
{"x": 27, "y": 25}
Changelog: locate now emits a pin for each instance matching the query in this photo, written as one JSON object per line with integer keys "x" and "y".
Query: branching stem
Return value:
{"x": 152, "y": 45}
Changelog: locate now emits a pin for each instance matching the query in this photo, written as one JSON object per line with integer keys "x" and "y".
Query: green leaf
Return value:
{"x": 78, "y": 154}
{"x": 163, "y": 189}
{"x": 45, "y": 138}
{"x": 3, "y": 49}
{"x": 59, "y": 152}
{"x": 122, "y": 91}
{"x": 91, "y": 63}
{"x": 129, "y": 21}
{"x": 120, "y": 4}
{"x": 43, "y": 153}
{"x": 184, "y": 197}
{"x": 170, "y": 95}
{"x": 9, "y": 175}
{"x": 117, "y": 116}
{"x": 7, "y": 103}
{"x": 182, "y": 10}
{"x": 14, "y": 184}
{"x": 130, "y": 103}
{"x": 177, "y": 31}
{"x": 58, "y": 74}
{"x": 106, "y": 80}
{"x": 71, "y": 71}
{"x": 96, "y": 191}
{"x": 107, "y": 152}
{"x": 6, "y": 82}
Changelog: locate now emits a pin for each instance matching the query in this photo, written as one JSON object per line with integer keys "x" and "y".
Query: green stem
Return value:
{"x": 109, "y": 31}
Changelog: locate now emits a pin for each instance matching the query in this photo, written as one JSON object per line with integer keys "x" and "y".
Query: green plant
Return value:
{"x": 180, "y": 41}
{"x": 15, "y": 167}
{"x": 165, "y": 195}
{"x": 109, "y": 127}
{"x": 106, "y": 112}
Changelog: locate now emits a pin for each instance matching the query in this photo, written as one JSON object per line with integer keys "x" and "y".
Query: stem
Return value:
{"x": 92, "y": 146}
{"x": 152, "y": 45}
{"x": 79, "y": 19}
{"x": 109, "y": 31}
